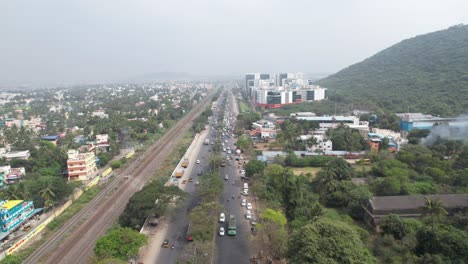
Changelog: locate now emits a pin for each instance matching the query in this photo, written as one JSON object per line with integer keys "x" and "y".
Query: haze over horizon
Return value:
{"x": 76, "y": 41}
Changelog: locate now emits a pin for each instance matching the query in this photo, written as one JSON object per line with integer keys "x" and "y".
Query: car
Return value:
{"x": 184, "y": 181}
{"x": 197, "y": 162}
{"x": 221, "y": 231}
{"x": 249, "y": 206}
{"x": 248, "y": 214}
{"x": 229, "y": 151}
{"x": 197, "y": 183}
{"x": 200, "y": 173}
{"x": 165, "y": 244}
{"x": 243, "y": 202}
{"x": 190, "y": 180}
{"x": 222, "y": 218}
{"x": 253, "y": 222}
{"x": 226, "y": 177}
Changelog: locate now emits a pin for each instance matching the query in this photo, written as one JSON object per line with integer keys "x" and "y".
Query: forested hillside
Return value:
{"x": 427, "y": 73}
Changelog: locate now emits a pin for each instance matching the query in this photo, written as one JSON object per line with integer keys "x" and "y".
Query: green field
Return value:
{"x": 312, "y": 170}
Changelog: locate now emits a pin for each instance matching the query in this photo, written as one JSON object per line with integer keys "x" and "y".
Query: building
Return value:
{"x": 411, "y": 121}
{"x": 13, "y": 213}
{"x": 323, "y": 145}
{"x": 409, "y": 206}
{"x": 51, "y": 139}
{"x": 329, "y": 121}
{"x": 101, "y": 113}
{"x": 272, "y": 90}
{"x": 9, "y": 175}
{"x": 81, "y": 166}
{"x": 102, "y": 140}
{"x": 23, "y": 154}
{"x": 263, "y": 130}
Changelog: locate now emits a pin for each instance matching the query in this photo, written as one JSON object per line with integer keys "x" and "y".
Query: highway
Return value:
{"x": 228, "y": 249}
{"x": 233, "y": 249}
{"x": 174, "y": 227}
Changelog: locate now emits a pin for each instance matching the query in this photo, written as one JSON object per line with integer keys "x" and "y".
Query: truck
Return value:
{"x": 189, "y": 233}
{"x": 179, "y": 174}
{"x": 232, "y": 225}
{"x": 185, "y": 163}
{"x": 207, "y": 141}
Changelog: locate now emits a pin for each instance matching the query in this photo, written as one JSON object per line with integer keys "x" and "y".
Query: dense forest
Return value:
{"x": 427, "y": 73}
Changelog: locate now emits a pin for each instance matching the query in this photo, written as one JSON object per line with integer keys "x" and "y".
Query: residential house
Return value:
{"x": 81, "y": 166}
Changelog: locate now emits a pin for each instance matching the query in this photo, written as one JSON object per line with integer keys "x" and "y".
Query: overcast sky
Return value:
{"x": 103, "y": 40}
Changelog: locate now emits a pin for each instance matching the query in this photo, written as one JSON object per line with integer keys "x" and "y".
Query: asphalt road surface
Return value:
{"x": 233, "y": 249}
{"x": 175, "y": 227}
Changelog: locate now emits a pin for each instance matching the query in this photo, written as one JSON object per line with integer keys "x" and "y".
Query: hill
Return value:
{"x": 427, "y": 73}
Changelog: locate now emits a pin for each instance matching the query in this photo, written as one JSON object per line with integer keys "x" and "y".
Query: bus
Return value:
{"x": 232, "y": 225}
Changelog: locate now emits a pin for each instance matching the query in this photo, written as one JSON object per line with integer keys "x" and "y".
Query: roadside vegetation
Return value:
{"x": 330, "y": 203}
{"x": 119, "y": 243}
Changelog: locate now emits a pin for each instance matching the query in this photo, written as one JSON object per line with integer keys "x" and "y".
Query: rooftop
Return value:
{"x": 11, "y": 204}
{"x": 417, "y": 201}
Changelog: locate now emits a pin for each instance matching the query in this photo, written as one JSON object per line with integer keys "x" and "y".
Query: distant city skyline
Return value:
{"x": 55, "y": 41}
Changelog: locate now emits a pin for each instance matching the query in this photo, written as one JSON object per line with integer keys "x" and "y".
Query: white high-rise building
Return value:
{"x": 276, "y": 89}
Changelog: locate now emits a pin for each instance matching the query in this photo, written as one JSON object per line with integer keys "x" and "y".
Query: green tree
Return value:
{"x": 446, "y": 240}
{"x": 273, "y": 234}
{"x": 254, "y": 167}
{"x": 120, "y": 243}
{"x": 434, "y": 209}
{"x": 393, "y": 225}
{"x": 153, "y": 200}
{"x": 328, "y": 241}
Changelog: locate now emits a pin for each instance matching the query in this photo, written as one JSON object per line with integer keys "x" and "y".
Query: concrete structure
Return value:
{"x": 13, "y": 213}
{"x": 51, "y": 139}
{"x": 375, "y": 140}
{"x": 411, "y": 121}
{"x": 323, "y": 145}
{"x": 272, "y": 90}
{"x": 101, "y": 113}
{"x": 329, "y": 121}
{"x": 264, "y": 130}
{"x": 81, "y": 166}
{"x": 9, "y": 175}
{"x": 23, "y": 154}
{"x": 409, "y": 206}
{"x": 102, "y": 141}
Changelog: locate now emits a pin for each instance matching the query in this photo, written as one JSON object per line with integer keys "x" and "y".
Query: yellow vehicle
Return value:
{"x": 185, "y": 163}
{"x": 27, "y": 227}
{"x": 165, "y": 244}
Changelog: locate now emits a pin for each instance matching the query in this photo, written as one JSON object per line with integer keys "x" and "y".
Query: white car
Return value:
{"x": 248, "y": 215}
{"x": 226, "y": 177}
{"x": 222, "y": 218}
{"x": 249, "y": 206}
{"x": 221, "y": 231}
{"x": 229, "y": 151}
{"x": 198, "y": 161}
{"x": 243, "y": 202}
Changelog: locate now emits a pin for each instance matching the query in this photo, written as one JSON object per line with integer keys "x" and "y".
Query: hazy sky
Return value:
{"x": 102, "y": 40}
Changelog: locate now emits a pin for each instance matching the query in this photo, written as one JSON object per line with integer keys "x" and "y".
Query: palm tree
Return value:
{"x": 435, "y": 210}
{"x": 48, "y": 195}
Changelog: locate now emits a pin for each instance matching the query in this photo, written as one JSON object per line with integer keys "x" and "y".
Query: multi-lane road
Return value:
{"x": 228, "y": 249}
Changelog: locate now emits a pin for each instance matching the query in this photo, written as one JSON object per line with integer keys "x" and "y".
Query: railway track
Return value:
{"x": 74, "y": 241}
